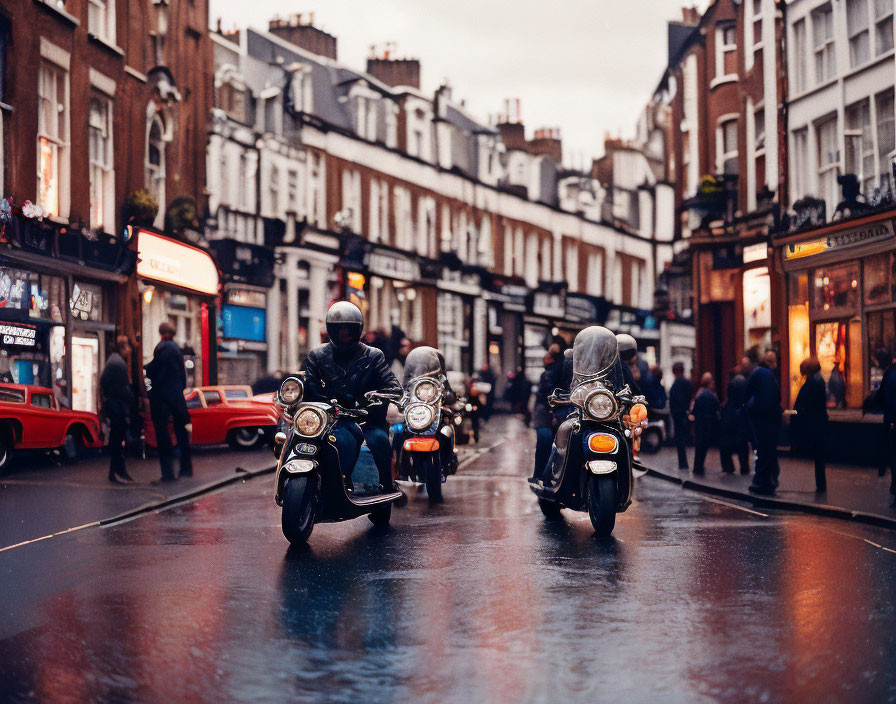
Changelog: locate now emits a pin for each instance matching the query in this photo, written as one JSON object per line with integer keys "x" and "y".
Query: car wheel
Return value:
{"x": 72, "y": 447}
{"x": 5, "y": 449}
{"x": 245, "y": 438}
{"x": 651, "y": 441}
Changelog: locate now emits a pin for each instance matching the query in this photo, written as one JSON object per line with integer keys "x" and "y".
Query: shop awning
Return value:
{"x": 171, "y": 262}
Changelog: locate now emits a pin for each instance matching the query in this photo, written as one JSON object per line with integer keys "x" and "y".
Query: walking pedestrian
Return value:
{"x": 764, "y": 412}
{"x": 680, "y": 396}
{"x": 657, "y": 397}
{"x": 735, "y": 429}
{"x": 811, "y": 420}
{"x": 518, "y": 394}
{"x": 705, "y": 414}
{"x": 168, "y": 377}
{"x": 543, "y": 419}
{"x": 887, "y": 391}
{"x": 487, "y": 376}
{"x": 118, "y": 406}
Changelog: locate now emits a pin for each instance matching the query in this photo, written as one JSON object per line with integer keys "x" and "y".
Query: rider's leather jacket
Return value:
{"x": 346, "y": 377}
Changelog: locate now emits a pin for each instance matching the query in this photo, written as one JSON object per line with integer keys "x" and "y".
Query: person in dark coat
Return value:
{"x": 887, "y": 401}
{"x": 811, "y": 419}
{"x": 680, "y": 396}
{"x": 487, "y": 376}
{"x": 543, "y": 419}
{"x": 657, "y": 396}
{"x": 345, "y": 369}
{"x": 118, "y": 406}
{"x": 735, "y": 429}
{"x": 168, "y": 378}
{"x": 764, "y": 412}
{"x": 705, "y": 414}
{"x": 518, "y": 393}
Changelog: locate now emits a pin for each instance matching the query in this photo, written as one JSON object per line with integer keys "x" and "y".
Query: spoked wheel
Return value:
{"x": 244, "y": 438}
{"x": 427, "y": 467}
{"x": 550, "y": 510}
{"x": 602, "y": 504}
{"x": 380, "y": 516}
{"x": 299, "y": 509}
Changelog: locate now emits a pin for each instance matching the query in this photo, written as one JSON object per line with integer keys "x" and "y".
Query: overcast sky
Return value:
{"x": 586, "y": 66}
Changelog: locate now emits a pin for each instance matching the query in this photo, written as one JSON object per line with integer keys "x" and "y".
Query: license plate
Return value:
{"x": 307, "y": 449}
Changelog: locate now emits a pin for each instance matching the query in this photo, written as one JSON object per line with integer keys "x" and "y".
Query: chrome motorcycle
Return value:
{"x": 590, "y": 468}
{"x": 309, "y": 484}
{"x": 426, "y": 450}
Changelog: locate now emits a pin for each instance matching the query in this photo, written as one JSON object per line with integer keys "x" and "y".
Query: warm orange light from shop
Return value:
{"x": 356, "y": 280}
{"x": 493, "y": 348}
{"x": 599, "y": 442}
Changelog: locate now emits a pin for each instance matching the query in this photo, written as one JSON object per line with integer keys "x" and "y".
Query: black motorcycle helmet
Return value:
{"x": 628, "y": 348}
{"x": 344, "y": 316}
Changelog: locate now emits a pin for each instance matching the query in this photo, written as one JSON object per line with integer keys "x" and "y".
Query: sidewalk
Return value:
{"x": 853, "y": 492}
{"x": 39, "y": 497}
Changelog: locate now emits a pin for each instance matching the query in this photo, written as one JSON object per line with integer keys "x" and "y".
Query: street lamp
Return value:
{"x": 161, "y": 9}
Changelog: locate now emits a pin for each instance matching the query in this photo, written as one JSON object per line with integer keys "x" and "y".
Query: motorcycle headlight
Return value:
{"x": 419, "y": 416}
{"x": 469, "y": 407}
{"x": 426, "y": 390}
{"x": 600, "y": 405}
{"x": 309, "y": 422}
{"x": 290, "y": 391}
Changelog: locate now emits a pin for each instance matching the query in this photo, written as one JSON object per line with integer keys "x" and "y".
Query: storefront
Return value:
{"x": 460, "y": 332}
{"x": 840, "y": 283}
{"x": 505, "y": 306}
{"x": 541, "y": 327}
{"x": 58, "y": 307}
{"x": 177, "y": 282}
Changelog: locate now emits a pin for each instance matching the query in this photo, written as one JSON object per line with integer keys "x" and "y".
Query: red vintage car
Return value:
{"x": 228, "y": 414}
{"x": 32, "y": 419}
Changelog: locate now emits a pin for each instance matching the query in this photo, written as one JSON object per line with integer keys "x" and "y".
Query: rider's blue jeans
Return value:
{"x": 349, "y": 437}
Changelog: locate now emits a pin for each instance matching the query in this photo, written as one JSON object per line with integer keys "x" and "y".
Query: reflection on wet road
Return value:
{"x": 478, "y": 599}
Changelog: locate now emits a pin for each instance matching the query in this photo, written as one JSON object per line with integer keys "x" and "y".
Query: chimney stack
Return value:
{"x": 394, "y": 72}
{"x": 299, "y": 29}
{"x": 547, "y": 141}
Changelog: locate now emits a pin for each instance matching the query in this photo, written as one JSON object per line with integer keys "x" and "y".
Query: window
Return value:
{"x": 726, "y": 51}
{"x": 800, "y": 82}
{"x": 883, "y": 26}
{"x": 101, "y": 19}
{"x": 886, "y": 134}
{"x": 857, "y": 29}
{"x": 52, "y": 135}
{"x": 759, "y": 128}
{"x": 799, "y": 164}
{"x": 212, "y": 398}
{"x": 823, "y": 43}
{"x": 727, "y": 161}
{"x": 41, "y": 400}
{"x": 828, "y": 163}
{"x": 193, "y": 401}
{"x": 102, "y": 175}
{"x": 12, "y": 396}
{"x": 860, "y": 145}
{"x": 836, "y": 288}
{"x": 274, "y": 190}
{"x": 243, "y": 193}
{"x": 292, "y": 190}
{"x": 4, "y": 45}
{"x": 155, "y": 163}
{"x": 879, "y": 280}
{"x": 235, "y": 393}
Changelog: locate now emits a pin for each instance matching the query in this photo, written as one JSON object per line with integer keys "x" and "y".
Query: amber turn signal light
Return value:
{"x": 599, "y": 442}
{"x": 421, "y": 444}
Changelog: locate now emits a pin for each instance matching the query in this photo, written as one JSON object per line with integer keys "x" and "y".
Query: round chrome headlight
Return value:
{"x": 600, "y": 405}
{"x": 419, "y": 416}
{"x": 309, "y": 422}
{"x": 426, "y": 390}
{"x": 290, "y": 391}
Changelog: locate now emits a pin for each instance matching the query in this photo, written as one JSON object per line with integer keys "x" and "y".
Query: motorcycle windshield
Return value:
{"x": 421, "y": 361}
{"x": 595, "y": 355}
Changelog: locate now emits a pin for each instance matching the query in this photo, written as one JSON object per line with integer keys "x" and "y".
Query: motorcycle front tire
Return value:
{"x": 427, "y": 467}
{"x": 299, "y": 509}
{"x": 381, "y": 515}
{"x": 602, "y": 504}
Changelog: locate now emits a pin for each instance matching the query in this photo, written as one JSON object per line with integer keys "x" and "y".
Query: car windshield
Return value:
{"x": 12, "y": 396}
{"x": 212, "y": 398}
{"x": 421, "y": 361}
{"x": 595, "y": 355}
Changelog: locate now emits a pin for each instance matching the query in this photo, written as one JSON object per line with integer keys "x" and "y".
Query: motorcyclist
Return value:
{"x": 636, "y": 371}
{"x": 345, "y": 369}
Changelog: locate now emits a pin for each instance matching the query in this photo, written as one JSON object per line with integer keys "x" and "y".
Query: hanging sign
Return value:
{"x": 166, "y": 260}
{"x": 18, "y": 335}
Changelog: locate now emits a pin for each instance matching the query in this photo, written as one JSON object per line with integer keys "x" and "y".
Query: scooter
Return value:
{"x": 591, "y": 461}
{"x": 309, "y": 484}
{"x": 427, "y": 451}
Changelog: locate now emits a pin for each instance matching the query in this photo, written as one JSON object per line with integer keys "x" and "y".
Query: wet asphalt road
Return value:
{"x": 475, "y": 600}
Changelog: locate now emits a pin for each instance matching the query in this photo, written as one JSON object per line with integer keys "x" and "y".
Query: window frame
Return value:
{"x": 828, "y": 47}
{"x": 59, "y": 139}
{"x": 881, "y": 19}
{"x": 106, "y": 10}
{"x": 825, "y": 167}
{"x": 156, "y": 176}
{"x": 103, "y": 170}
{"x": 723, "y": 156}
{"x": 855, "y": 34}
{"x": 722, "y": 50}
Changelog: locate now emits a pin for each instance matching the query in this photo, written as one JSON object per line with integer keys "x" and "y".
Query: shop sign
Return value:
{"x": 755, "y": 253}
{"x": 163, "y": 259}
{"x": 18, "y": 335}
{"x": 549, "y": 304}
{"x": 869, "y": 234}
{"x": 245, "y": 297}
{"x": 392, "y": 266}
{"x": 514, "y": 298}
{"x": 580, "y": 309}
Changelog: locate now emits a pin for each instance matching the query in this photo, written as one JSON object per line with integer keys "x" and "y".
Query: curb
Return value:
{"x": 239, "y": 475}
{"x": 873, "y": 519}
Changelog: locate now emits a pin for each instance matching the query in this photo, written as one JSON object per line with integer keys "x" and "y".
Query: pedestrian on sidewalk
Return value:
{"x": 118, "y": 406}
{"x": 735, "y": 433}
{"x": 809, "y": 425}
{"x": 680, "y": 396}
{"x": 705, "y": 413}
{"x": 543, "y": 419}
{"x": 168, "y": 377}
{"x": 887, "y": 396}
{"x": 764, "y": 411}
